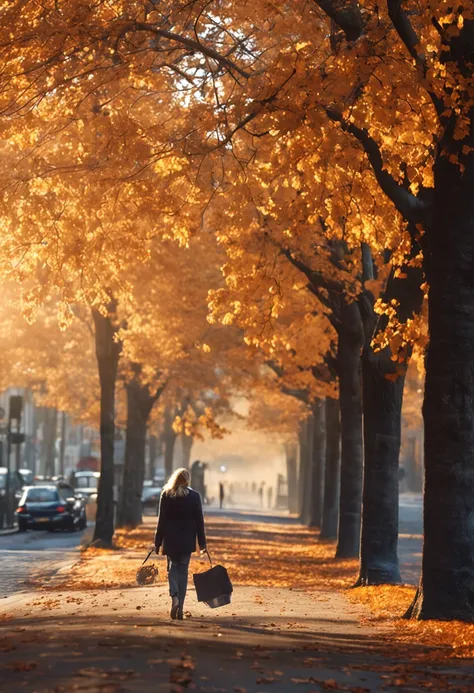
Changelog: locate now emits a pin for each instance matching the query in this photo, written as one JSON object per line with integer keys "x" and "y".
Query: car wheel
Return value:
{"x": 22, "y": 527}
{"x": 83, "y": 524}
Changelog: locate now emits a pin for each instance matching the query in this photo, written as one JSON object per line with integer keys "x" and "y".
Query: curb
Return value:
{"x": 8, "y": 532}
{"x": 87, "y": 536}
{"x": 64, "y": 569}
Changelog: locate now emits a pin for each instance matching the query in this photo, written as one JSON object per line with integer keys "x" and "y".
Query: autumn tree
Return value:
{"x": 429, "y": 184}
{"x": 170, "y": 349}
{"x": 386, "y": 90}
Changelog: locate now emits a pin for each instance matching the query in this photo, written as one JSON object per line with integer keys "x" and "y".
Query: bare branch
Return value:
{"x": 196, "y": 46}
{"x": 260, "y": 106}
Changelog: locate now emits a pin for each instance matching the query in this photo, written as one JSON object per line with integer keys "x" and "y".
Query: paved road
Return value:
{"x": 22, "y": 556}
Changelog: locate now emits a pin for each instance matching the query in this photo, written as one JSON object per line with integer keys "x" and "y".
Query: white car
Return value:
{"x": 86, "y": 484}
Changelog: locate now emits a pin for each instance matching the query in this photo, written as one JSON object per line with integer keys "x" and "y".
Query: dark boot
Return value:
{"x": 174, "y": 608}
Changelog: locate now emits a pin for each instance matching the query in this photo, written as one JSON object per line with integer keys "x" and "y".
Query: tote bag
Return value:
{"x": 213, "y": 587}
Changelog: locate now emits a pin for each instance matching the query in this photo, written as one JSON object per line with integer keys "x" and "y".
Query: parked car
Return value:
{"x": 151, "y": 499}
{"x": 86, "y": 484}
{"x": 65, "y": 488}
{"x": 27, "y": 476}
{"x": 50, "y": 507}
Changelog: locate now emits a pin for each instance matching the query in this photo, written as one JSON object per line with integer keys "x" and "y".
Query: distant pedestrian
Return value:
{"x": 180, "y": 523}
{"x": 260, "y": 494}
{"x": 270, "y": 497}
{"x": 221, "y": 494}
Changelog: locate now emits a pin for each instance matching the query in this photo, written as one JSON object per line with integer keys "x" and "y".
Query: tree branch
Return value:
{"x": 410, "y": 39}
{"x": 346, "y": 14}
{"x": 196, "y": 46}
{"x": 159, "y": 391}
{"x": 301, "y": 395}
{"x": 260, "y": 106}
{"x": 410, "y": 207}
{"x": 316, "y": 279}
{"x": 405, "y": 30}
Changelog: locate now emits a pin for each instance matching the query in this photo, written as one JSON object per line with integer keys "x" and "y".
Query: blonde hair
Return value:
{"x": 177, "y": 484}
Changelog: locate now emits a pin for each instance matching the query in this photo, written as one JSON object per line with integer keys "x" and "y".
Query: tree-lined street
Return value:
{"x": 237, "y": 255}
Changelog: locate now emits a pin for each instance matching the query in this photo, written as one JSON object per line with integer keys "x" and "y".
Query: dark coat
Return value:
{"x": 180, "y": 523}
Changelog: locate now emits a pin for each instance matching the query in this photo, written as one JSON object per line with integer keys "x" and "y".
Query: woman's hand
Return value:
{"x": 204, "y": 551}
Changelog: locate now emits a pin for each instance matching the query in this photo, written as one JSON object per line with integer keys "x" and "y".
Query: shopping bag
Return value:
{"x": 213, "y": 587}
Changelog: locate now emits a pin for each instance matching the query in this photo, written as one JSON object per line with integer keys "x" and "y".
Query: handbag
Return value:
{"x": 213, "y": 587}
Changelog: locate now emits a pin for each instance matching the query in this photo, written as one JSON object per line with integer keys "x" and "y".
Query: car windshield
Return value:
{"x": 41, "y": 495}
{"x": 86, "y": 482}
{"x": 66, "y": 491}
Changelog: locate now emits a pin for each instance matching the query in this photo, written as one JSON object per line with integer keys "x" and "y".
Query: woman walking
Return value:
{"x": 180, "y": 523}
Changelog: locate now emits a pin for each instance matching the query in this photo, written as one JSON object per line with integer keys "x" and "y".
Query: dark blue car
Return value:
{"x": 44, "y": 507}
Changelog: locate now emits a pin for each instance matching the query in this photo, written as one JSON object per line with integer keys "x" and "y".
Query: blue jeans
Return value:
{"x": 178, "y": 576}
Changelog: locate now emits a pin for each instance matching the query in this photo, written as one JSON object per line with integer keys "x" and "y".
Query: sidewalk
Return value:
{"x": 93, "y": 630}
{"x": 268, "y": 640}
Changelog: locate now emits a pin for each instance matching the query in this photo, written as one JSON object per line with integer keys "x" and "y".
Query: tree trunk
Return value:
{"x": 446, "y": 588}
{"x": 139, "y": 405}
{"x": 187, "y": 445}
{"x": 292, "y": 476}
{"x": 382, "y": 430}
{"x": 350, "y": 398}
{"x": 304, "y": 453}
{"x": 153, "y": 447}
{"x": 332, "y": 471}
{"x": 317, "y": 465}
{"x": 383, "y": 383}
{"x": 170, "y": 439}
{"x": 108, "y": 353}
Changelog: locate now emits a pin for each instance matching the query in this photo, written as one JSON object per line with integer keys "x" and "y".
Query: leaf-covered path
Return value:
{"x": 117, "y": 639}
{"x": 121, "y": 641}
